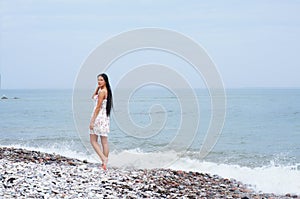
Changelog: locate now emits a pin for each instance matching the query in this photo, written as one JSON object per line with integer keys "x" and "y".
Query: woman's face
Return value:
{"x": 101, "y": 81}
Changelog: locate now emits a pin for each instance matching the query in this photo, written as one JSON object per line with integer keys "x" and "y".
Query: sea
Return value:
{"x": 259, "y": 143}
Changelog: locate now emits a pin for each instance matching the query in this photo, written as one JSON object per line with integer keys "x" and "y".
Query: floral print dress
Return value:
{"x": 101, "y": 125}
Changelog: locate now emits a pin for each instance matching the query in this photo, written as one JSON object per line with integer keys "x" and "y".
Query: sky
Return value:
{"x": 43, "y": 44}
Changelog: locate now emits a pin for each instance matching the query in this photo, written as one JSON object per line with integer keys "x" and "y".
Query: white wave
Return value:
{"x": 138, "y": 159}
{"x": 267, "y": 179}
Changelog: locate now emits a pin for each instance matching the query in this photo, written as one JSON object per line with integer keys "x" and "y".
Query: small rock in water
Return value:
{"x": 4, "y": 97}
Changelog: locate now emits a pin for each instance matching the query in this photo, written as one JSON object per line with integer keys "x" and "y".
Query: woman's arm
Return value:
{"x": 97, "y": 109}
{"x": 96, "y": 92}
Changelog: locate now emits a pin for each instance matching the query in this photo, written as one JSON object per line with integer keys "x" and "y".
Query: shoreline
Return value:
{"x": 25, "y": 173}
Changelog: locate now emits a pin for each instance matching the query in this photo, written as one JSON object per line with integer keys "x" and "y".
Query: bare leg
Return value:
{"x": 96, "y": 146}
{"x": 104, "y": 143}
{"x": 105, "y": 147}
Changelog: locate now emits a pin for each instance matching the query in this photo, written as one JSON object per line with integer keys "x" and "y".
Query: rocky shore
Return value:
{"x": 32, "y": 174}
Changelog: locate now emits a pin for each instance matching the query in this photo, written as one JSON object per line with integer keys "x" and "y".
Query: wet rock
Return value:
{"x": 4, "y": 97}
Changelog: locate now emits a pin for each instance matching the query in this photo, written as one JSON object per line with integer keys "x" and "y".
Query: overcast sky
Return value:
{"x": 253, "y": 43}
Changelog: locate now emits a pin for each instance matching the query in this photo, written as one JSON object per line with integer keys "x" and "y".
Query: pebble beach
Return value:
{"x": 33, "y": 174}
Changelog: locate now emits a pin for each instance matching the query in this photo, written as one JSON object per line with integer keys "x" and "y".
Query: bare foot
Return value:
{"x": 104, "y": 163}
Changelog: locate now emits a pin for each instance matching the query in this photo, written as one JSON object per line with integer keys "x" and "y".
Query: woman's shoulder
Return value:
{"x": 103, "y": 90}
{"x": 103, "y": 93}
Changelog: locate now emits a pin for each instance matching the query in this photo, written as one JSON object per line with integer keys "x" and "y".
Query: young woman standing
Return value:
{"x": 100, "y": 121}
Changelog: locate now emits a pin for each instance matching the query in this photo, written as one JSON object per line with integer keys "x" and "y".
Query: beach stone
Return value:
{"x": 55, "y": 177}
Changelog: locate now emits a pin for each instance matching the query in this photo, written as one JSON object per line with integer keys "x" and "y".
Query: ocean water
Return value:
{"x": 258, "y": 145}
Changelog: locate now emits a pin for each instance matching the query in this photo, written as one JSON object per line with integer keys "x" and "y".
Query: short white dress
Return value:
{"x": 101, "y": 125}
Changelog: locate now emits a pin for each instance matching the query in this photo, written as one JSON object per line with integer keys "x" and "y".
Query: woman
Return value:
{"x": 99, "y": 125}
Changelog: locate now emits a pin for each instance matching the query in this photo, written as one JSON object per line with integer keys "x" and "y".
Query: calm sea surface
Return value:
{"x": 259, "y": 144}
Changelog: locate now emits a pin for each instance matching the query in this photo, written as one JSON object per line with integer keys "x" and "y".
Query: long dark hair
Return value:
{"x": 109, "y": 102}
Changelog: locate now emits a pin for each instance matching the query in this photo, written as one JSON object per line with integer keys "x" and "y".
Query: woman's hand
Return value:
{"x": 97, "y": 89}
{"x": 92, "y": 126}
